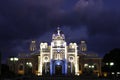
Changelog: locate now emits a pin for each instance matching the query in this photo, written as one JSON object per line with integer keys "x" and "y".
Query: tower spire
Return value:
{"x": 58, "y": 30}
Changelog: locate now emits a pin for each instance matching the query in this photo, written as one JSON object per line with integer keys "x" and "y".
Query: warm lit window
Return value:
{"x": 21, "y": 67}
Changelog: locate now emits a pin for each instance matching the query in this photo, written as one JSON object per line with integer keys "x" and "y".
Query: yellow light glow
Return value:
{"x": 80, "y": 72}
{"x": 105, "y": 74}
{"x": 21, "y": 72}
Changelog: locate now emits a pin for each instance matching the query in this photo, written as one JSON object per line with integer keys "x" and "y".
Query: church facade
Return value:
{"x": 58, "y": 58}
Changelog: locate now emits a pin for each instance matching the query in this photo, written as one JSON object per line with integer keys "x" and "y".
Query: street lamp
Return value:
{"x": 92, "y": 66}
{"x": 14, "y": 59}
{"x": 111, "y": 63}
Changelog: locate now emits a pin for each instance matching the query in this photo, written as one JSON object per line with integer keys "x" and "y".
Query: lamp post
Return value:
{"x": 29, "y": 66}
{"x": 111, "y": 68}
{"x": 111, "y": 63}
{"x": 14, "y": 59}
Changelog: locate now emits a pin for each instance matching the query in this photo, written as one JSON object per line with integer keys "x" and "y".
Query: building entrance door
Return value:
{"x": 58, "y": 70}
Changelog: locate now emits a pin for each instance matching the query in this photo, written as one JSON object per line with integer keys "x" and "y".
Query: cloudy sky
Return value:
{"x": 96, "y": 21}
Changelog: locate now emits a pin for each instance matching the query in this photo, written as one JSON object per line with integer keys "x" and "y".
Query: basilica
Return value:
{"x": 58, "y": 58}
{"x": 58, "y": 55}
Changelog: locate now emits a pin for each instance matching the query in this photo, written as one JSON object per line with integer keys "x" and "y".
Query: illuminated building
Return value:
{"x": 58, "y": 55}
{"x": 58, "y": 58}
{"x": 90, "y": 63}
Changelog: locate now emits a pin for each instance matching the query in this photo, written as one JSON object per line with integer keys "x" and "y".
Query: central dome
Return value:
{"x": 58, "y": 35}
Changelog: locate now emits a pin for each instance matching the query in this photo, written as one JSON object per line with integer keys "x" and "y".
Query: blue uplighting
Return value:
{"x": 51, "y": 70}
{"x": 58, "y": 63}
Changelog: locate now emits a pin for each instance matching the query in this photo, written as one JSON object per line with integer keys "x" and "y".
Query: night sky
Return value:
{"x": 96, "y": 21}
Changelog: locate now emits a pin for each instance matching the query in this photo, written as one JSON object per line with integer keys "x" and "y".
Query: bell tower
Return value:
{"x": 83, "y": 46}
{"x": 33, "y": 45}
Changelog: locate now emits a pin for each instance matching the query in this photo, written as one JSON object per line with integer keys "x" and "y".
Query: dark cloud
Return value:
{"x": 96, "y": 21}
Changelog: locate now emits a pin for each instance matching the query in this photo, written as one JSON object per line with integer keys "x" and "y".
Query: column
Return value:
{"x": 76, "y": 62}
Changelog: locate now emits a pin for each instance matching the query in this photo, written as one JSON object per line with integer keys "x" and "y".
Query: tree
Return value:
{"x": 111, "y": 61}
{"x": 5, "y": 72}
{"x": 0, "y": 63}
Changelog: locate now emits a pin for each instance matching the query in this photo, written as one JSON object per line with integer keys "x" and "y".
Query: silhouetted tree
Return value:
{"x": 5, "y": 72}
{"x": 112, "y": 57}
{"x": 0, "y": 63}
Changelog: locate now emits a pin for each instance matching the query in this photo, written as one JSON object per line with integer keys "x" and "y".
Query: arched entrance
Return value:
{"x": 59, "y": 67}
{"x": 56, "y": 65}
{"x": 58, "y": 70}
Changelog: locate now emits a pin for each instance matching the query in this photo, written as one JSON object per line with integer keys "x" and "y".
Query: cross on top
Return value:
{"x": 58, "y": 30}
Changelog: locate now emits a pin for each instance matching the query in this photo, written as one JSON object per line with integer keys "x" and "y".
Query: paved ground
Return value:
{"x": 59, "y": 78}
